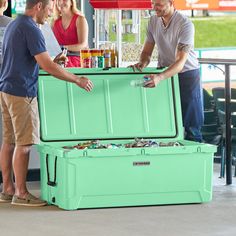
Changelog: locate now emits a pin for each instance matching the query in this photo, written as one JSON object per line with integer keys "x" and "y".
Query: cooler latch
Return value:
{"x": 52, "y": 183}
{"x": 142, "y": 151}
{"x": 199, "y": 149}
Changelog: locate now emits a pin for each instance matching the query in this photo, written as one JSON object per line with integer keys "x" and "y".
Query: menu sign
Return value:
{"x": 227, "y": 5}
{"x": 196, "y": 4}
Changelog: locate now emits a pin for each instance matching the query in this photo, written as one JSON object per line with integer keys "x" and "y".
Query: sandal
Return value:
{"x": 4, "y": 197}
{"x": 29, "y": 200}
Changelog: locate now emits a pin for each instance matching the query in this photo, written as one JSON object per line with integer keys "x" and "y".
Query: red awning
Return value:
{"x": 121, "y": 4}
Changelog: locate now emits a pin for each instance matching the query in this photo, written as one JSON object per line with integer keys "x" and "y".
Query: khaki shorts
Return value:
{"x": 20, "y": 119}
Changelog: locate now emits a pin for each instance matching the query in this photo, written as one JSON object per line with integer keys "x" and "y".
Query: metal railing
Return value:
{"x": 227, "y": 63}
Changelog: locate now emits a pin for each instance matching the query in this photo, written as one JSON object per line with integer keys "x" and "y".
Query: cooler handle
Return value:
{"x": 52, "y": 183}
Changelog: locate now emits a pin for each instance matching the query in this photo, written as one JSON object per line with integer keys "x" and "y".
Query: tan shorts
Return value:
{"x": 20, "y": 119}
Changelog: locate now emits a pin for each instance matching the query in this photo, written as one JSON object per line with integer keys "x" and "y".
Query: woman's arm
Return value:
{"x": 82, "y": 33}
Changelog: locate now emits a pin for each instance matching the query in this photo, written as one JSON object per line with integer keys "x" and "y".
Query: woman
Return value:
{"x": 71, "y": 29}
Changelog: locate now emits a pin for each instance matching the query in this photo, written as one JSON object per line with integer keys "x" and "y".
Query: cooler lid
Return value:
{"x": 121, "y": 4}
{"x": 112, "y": 110}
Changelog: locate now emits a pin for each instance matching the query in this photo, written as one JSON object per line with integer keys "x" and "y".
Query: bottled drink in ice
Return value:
{"x": 139, "y": 82}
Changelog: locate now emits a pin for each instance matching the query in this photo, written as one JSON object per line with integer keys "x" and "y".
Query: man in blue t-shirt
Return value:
{"x": 24, "y": 51}
{"x": 173, "y": 34}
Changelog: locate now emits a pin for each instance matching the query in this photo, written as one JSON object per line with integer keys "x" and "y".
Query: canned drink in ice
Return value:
{"x": 94, "y": 62}
{"x": 107, "y": 58}
{"x": 86, "y": 63}
{"x": 100, "y": 62}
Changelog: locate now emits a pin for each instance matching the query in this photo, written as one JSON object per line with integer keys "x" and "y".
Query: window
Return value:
{"x": 126, "y": 29}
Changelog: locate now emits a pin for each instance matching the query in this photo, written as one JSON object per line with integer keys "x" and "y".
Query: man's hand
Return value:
{"x": 84, "y": 83}
{"x": 138, "y": 66}
{"x": 153, "y": 80}
{"x": 61, "y": 59}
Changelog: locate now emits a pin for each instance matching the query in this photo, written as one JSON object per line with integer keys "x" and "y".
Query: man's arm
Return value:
{"x": 45, "y": 62}
{"x": 175, "y": 68}
{"x": 145, "y": 56}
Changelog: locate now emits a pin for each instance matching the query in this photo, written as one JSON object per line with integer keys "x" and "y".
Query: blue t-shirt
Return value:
{"x": 22, "y": 41}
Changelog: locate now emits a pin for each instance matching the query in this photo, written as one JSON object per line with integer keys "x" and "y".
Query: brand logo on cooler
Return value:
{"x": 141, "y": 163}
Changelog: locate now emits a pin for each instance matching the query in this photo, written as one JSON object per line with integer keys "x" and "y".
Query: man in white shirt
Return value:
{"x": 173, "y": 34}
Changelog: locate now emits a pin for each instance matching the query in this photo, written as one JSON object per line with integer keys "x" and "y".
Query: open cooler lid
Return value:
{"x": 121, "y": 4}
{"x": 112, "y": 110}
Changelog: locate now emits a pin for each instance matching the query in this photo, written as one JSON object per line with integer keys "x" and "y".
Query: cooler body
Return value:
{"x": 116, "y": 113}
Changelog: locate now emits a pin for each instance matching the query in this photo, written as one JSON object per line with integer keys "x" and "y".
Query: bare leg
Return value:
{"x": 6, "y": 156}
{"x": 20, "y": 167}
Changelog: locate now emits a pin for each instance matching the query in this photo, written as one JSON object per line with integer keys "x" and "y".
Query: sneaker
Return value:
{"x": 4, "y": 197}
{"x": 29, "y": 200}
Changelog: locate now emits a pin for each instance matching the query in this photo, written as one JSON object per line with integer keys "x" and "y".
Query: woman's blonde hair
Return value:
{"x": 74, "y": 9}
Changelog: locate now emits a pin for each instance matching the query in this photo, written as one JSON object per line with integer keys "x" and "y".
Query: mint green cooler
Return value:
{"x": 116, "y": 112}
